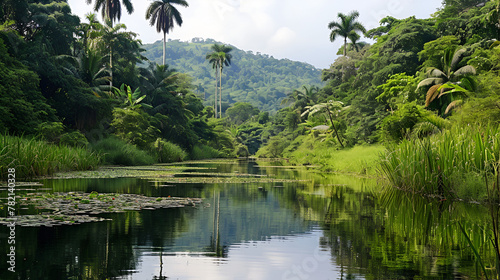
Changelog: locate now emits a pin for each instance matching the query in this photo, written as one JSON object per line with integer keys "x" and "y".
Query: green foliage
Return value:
{"x": 50, "y": 131}
{"x": 240, "y": 112}
{"x": 398, "y": 89}
{"x": 134, "y": 127}
{"x": 478, "y": 111}
{"x": 22, "y": 106}
{"x": 32, "y": 157}
{"x": 168, "y": 152}
{"x": 438, "y": 165}
{"x": 258, "y": 79}
{"x": 411, "y": 120}
{"x": 118, "y": 152}
{"x": 204, "y": 152}
{"x": 74, "y": 139}
{"x": 274, "y": 148}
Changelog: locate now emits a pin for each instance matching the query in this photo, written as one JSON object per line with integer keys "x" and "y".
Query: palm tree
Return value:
{"x": 347, "y": 27}
{"x": 450, "y": 78}
{"x": 112, "y": 9}
{"x": 331, "y": 107}
{"x": 219, "y": 57}
{"x": 301, "y": 97}
{"x": 163, "y": 13}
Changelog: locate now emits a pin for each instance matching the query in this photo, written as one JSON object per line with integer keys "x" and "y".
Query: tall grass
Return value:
{"x": 119, "y": 152}
{"x": 453, "y": 162}
{"x": 167, "y": 152}
{"x": 32, "y": 157}
{"x": 204, "y": 152}
{"x": 310, "y": 150}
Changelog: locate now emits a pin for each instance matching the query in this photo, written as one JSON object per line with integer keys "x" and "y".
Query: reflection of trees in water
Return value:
{"x": 401, "y": 236}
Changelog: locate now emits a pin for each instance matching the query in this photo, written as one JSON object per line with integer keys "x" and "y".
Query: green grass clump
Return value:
{"x": 204, "y": 152}
{"x": 453, "y": 162}
{"x": 167, "y": 152}
{"x": 324, "y": 152}
{"x": 32, "y": 157}
{"x": 118, "y": 152}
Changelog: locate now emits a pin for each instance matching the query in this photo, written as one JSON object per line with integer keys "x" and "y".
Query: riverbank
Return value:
{"x": 310, "y": 150}
{"x": 32, "y": 158}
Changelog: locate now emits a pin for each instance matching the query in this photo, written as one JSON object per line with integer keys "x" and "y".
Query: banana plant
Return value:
{"x": 131, "y": 99}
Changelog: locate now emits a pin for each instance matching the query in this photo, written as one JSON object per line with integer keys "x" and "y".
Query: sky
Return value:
{"x": 292, "y": 29}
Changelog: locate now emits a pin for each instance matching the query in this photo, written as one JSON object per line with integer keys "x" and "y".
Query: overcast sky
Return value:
{"x": 291, "y": 29}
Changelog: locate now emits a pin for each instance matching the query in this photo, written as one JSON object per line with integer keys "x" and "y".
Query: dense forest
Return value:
{"x": 255, "y": 78}
{"x": 88, "y": 85}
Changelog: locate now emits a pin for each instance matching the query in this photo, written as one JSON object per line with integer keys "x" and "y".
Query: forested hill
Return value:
{"x": 258, "y": 79}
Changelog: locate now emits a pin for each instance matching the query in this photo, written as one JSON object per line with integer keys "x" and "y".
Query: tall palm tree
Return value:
{"x": 219, "y": 57}
{"x": 213, "y": 58}
{"x": 112, "y": 9}
{"x": 163, "y": 13}
{"x": 347, "y": 27}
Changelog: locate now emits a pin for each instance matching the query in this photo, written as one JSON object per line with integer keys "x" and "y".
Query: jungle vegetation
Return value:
{"x": 421, "y": 85}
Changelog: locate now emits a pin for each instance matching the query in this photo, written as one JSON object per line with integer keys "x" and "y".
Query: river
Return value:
{"x": 309, "y": 225}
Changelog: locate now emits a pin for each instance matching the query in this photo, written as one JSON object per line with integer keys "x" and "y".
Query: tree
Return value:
{"x": 332, "y": 107}
{"x": 112, "y": 9}
{"x": 241, "y": 112}
{"x": 219, "y": 57}
{"x": 163, "y": 13}
{"x": 347, "y": 27}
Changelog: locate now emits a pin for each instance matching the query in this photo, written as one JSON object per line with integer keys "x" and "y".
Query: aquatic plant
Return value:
{"x": 441, "y": 164}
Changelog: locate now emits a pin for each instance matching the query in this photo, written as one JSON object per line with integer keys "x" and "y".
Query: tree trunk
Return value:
{"x": 334, "y": 128}
{"x": 216, "y": 90}
{"x": 110, "y": 70}
{"x": 164, "y": 46}
{"x": 220, "y": 89}
{"x": 345, "y": 55}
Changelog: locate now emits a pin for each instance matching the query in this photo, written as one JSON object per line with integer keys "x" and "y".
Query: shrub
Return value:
{"x": 168, "y": 152}
{"x": 117, "y": 151}
{"x": 74, "y": 139}
{"x": 204, "y": 152}
{"x": 134, "y": 126}
{"x": 50, "y": 131}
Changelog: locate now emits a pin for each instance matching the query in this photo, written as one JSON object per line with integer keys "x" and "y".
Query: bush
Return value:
{"x": 74, "y": 139}
{"x": 168, "y": 152}
{"x": 204, "y": 152}
{"x": 117, "y": 151}
{"x": 50, "y": 131}
{"x": 134, "y": 126}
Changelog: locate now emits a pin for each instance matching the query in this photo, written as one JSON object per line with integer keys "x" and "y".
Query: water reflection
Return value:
{"x": 326, "y": 226}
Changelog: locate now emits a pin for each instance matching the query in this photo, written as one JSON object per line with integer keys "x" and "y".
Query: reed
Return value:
{"x": 441, "y": 164}
{"x": 32, "y": 157}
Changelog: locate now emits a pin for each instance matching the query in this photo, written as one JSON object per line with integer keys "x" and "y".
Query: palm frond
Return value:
{"x": 453, "y": 105}
{"x": 429, "y": 82}
{"x": 432, "y": 94}
{"x": 465, "y": 71}
{"x": 457, "y": 57}
{"x": 424, "y": 129}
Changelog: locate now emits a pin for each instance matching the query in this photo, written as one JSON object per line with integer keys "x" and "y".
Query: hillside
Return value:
{"x": 256, "y": 78}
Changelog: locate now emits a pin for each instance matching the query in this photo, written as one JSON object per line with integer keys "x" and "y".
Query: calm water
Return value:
{"x": 324, "y": 227}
